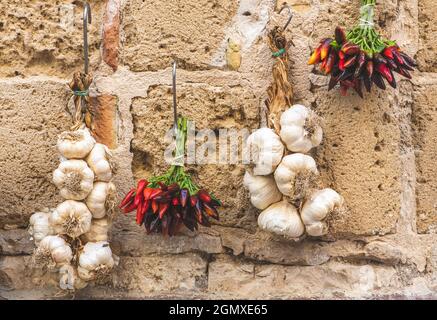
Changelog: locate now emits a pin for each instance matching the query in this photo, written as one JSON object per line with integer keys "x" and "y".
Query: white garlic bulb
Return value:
{"x": 39, "y": 226}
{"x": 52, "y": 252}
{"x": 317, "y": 207}
{"x": 69, "y": 279}
{"x": 263, "y": 190}
{"x": 295, "y": 174}
{"x": 300, "y": 129}
{"x": 95, "y": 261}
{"x": 74, "y": 179}
{"x": 283, "y": 219}
{"x": 71, "y": 218}
{"x": 101, "y": 200}
{"x": 266, "y": 150}
{"x": 99, "y": 161}
{"x": 98, "y": 231}
{"x": 75, "y": 144}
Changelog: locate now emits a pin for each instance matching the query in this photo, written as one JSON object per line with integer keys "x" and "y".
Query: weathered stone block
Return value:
{"x": 425, "y": 142}
{"x": 211, "y": 108}
{"x": 331, "y": 280}
{"x": 162, "y": 274}
{"x": 428, "y": 36}
{"x": 360, "y": 159}
{"x": 32, "y": 114}
{"x": 15, "y": 242}
{"x": 45, "y": 37}
{"x": 188, "y": 31}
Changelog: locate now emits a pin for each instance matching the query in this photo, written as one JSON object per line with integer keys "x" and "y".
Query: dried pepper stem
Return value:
{"x": 176, "y": 173}
{"x": 364, "y": 35}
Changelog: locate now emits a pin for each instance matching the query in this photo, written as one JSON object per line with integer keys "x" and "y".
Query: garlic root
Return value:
{"x": 74, "y": 179}
{"x": 316, "y": 209}
{"x": 300, "y": 129}
{"x": 295, "y": 175}
{"x": 71, "y": 218}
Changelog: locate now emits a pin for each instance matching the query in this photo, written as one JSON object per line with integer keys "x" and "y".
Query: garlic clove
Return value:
{"x": 74, "y": 179}
{"x": 281, "y": 218}
{"x": 300, "y": 129}
{"x": 295, "y": 174}
{"x": 39, "y": 226}
{"x": 71, "y": 218}
{"x": 95, "y": 261}
{"x": 266, "y": 150}
{"x": 75, "y": 144}
{"x": 99, "y": 162}
{"x": 98, "y": 231}
{"x": 101, "y": 200}
{"x": 263, "y": 190}
{"x": 52, "y": 252}
{"x": 317, "y": 207}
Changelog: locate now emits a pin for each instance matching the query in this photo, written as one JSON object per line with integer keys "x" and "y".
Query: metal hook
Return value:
{"x": 289, "y": 19}
{"x": 86, "y": 19}
{"x": 175, "y": 112}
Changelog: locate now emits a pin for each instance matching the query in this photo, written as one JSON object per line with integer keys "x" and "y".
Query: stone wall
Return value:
{"x": 379, "y": 153}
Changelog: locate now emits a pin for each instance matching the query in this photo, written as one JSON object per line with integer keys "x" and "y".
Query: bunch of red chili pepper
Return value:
{"x": 362, "y": 57}
{"x": 165, "y": 203}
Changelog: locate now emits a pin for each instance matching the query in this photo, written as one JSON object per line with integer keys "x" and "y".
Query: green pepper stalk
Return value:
{"x": 176, "y": 173}
{"x": 364, "y": 35}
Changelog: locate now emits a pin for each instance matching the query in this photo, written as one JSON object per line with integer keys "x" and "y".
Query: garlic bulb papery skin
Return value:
{"x": 52, "y": 252}
{"x": 281, "y": 218}
{"x": 98, "y": 160}
{"x": 317, "y": 207}
{"x": 263, "y": 190}
{"x": 98, "y": 231}
{"x": 39, "y": 226}
{"x": 266, "y": 151}
{"x": 69, "y": 279}
{"x": 95, "y": 261}
{"x": 75, "y": 144}
{"x": 71, "y": 218}
{"x": 300, "y": 129}
{"x": 295, "y": 174}
{"x": 101, "y": 200}
{"x": 74, "y": 179}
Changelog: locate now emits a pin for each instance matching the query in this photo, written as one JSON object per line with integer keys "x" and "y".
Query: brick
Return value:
{"x": 188, "y": 31}
{"x": 111, "y": 33}
{"x": 103, "y": 112}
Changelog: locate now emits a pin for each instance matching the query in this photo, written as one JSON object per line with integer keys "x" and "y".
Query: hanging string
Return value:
{"x": 367, "y": 14}
{"x": 79, "y": 86}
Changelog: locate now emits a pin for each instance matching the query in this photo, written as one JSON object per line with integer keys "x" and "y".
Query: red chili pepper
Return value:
{"x": 350, "y": 62}
{"x": 184, "y": 197}
{"x": 341, "y": 65}
{"x": 155, "y": 193}
{"x": 130, "y": 207}
{"x": 388, "y": 52}
{"x": 369, "y": 68}
{"x": 315, "y": 57}
{"x": 204, "y": 196}
{"x": 140, "y": 188}
{"x": 139, "y": 212}
{"x": 175, "y": 202}
{"x": 330, "y": 62}
{"x": 383, "y": 69}
{"x": 210, "y": 211}
{"x": 163, "y": 186}
{"x": 155, "y": 206}
{"x": 324, "y": 50}
{"x": 193, "y": 201}
{"x": 398, "y": 57}
{"x": 198, "y": 211}
{"x": 147, "y": 192}
{"x": 163, "y": 207}
{"x": 127, "y": 198}
{"x": 340, "y": 35}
